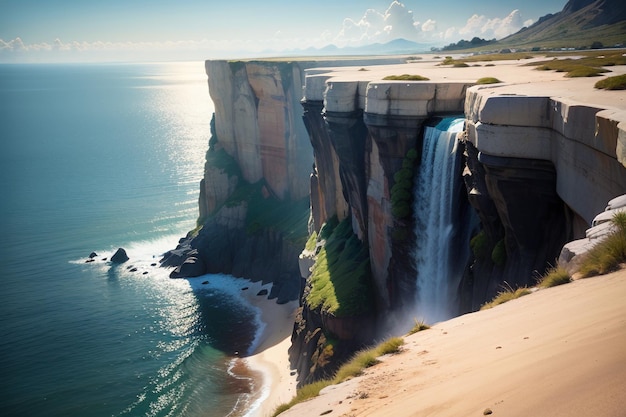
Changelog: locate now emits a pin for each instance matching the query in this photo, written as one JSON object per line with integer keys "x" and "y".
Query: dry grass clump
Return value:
{"x": 553, "y": 277}
{"x": 406, "y": 77}
{"x": 362, "y": 360}
{"x": 506, "y": 295}
{"x": 590, "y": 65}
{"x": 488, "y": 80}
{"x": 418, "y": 327}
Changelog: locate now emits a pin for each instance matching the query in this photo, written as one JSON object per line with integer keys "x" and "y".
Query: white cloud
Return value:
{"x": 395, "y": 22}
{"x": 429, "y": 26}
{"x": 399, "y": 22}
{"x": 486, "y": 28}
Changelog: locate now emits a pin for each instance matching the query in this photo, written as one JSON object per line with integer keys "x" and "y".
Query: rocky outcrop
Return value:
{"x": 573, "y": 253}
{"x": 120, "y": 256}
{"x": 538, "y": 169}
{"x": 258, "y": 122}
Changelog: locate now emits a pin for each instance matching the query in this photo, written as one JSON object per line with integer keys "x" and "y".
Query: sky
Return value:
{"x": 162, "y": 30}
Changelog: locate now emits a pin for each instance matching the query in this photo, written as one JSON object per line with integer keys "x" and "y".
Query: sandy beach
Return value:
{"x": 557, "y": 352}
{"x": 270, "y": 358}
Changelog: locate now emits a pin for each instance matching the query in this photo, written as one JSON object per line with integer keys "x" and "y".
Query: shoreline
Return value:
{"x": 270, "y": 355}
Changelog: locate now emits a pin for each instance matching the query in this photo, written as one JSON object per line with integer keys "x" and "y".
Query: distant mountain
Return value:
{"x": 579, "y": 24}
{"x": 394, "y": 47}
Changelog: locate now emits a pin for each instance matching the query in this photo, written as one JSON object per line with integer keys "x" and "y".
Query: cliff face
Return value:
{"x": 258, "y": 123}
{"x": 254, "y": 197}
{"x": 338, "y": 164}
{"x": 538, "y": 170}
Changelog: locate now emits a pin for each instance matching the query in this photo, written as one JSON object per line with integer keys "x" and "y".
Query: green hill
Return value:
{"x": 580, "y": 24}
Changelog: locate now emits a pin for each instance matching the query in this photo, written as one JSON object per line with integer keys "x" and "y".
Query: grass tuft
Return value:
{"x": 356, "y": 365}
{"x": 391, "y": 345}
{"x": 419, "y": 326}
{"x": 587, "y": 66}
{"x": 362, "y": 360}
{"x": 406, "y": 77}
{"x": 617, "y": 82}
{"x": 488, "y": 80}
{"x": 505, "y": 296}
{"x": 583, "y": 71}
{"x": 555, "y": 276}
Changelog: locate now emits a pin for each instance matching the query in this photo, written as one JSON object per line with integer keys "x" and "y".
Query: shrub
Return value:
{"x": 402, "y": 190}
{"x": 488, "y": 80}
{"x": 583, "y": 71}
{"x": 419, "y": 326}
{"x": 617, "y": 82}
{"x": 460, "y": 65}
{"x": 555, "y": 276}
{"x": 506, "y": 295}
{"x": 607, "y": 255}
{"x": 479, "y": 245}
{"x": 498, "y": 255}
{"x": 400, "y": 209}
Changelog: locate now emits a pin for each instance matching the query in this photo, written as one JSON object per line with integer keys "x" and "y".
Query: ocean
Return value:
{"x": 96, "y": 157}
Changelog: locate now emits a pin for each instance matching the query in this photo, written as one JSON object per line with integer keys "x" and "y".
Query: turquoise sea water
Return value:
{"x": 96, "y": 157}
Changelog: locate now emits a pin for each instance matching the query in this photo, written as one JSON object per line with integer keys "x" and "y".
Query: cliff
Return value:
{"x": 329, "y": 154}
{"x": 254, "y": 197}
{"x": 539, "y": 164}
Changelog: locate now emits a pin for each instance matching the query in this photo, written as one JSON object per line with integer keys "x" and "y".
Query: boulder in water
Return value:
{"x": 120, "y": 256}
{"x": 192, "y": 267}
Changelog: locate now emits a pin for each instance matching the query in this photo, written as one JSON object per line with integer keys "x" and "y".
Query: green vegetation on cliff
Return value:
{"x": 341, "y": 283}
{"x": 264, "y": 210}
{"x": 402, "y": 190}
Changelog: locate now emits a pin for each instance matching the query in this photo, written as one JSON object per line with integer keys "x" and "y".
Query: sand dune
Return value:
{"x": 557, "y": 352}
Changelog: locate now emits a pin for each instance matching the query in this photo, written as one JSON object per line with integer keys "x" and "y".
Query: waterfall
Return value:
{"x": 441, "y": 247}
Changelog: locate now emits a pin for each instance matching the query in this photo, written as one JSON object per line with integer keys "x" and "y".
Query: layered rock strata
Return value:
{"x": 538, "y": 170}
{"x": 255, "y": 191}
{"x": 361, "y": 133}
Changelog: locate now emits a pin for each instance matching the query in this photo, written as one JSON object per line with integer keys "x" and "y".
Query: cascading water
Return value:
{"x": 441, "y": 247}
